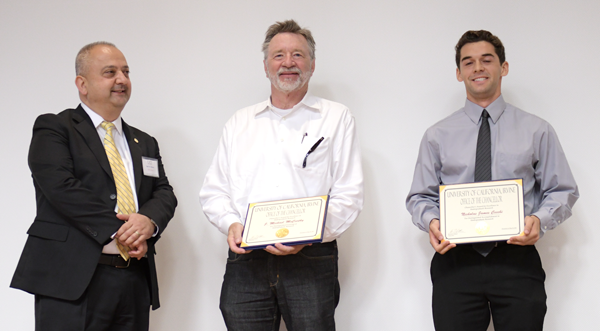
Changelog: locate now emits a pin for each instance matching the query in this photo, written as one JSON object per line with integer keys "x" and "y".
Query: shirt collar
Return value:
{"x": 309, "y": 101}
{"x": 97, "y": 119}
{"x": 495, "y": 109}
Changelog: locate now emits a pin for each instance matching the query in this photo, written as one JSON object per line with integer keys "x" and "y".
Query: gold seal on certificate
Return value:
{"x": 293, "y": 221}
{"x": 482, "y": 211}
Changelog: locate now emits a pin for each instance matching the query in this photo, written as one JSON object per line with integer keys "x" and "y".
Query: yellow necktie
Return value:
{"x": 125, "y": 202}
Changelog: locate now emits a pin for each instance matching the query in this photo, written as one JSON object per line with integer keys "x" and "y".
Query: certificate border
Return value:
{"x": 318, "y": 237}
{"x": 521, "y": 222}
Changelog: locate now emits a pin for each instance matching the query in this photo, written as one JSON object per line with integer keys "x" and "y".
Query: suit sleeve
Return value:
{"x": 56, "y": 178}
{"x": 160, "y": 207}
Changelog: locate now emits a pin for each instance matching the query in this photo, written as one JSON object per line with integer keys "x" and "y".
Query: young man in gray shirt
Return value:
{"x": 504, "y": 278}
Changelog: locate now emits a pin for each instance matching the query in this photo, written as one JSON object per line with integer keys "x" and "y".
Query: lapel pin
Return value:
{"x": 136, "y": 141}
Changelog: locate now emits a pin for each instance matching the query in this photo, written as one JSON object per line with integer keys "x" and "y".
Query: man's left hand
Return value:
{"x": 531, "y": 234}
{"x": 136, "y": 229}
{"x": 280, "y": 249}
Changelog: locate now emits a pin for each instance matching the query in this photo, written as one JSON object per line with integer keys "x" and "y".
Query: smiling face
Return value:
{"x": 105, "y": 86}
{"x": 481, "y": 71}
{"x": 288, "y": 64}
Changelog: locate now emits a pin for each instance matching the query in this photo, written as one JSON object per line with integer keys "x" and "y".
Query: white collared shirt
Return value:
{"x": 260, "y": 158}
{"x": 123, "y": 147}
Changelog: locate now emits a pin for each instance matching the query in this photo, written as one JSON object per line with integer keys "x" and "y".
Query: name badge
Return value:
{"x": 150, "y": 166}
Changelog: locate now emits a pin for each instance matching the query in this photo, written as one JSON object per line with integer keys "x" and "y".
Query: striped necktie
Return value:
{"x": 125, "y": 202}
{"x": 483, "y": 154}
{"x": 483, "y": 169}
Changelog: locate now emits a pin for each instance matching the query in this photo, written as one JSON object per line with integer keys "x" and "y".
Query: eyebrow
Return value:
{"x": 114, "y": 67}
{"x": 281, "y": 50}
{"x": 483, "y": 55}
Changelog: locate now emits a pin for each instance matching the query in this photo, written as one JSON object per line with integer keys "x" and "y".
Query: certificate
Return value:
{"x": 293, "y": 222}
{"x": 482, "y": 211}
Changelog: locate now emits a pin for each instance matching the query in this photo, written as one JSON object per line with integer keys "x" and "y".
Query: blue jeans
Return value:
{"x": 259, "y": 288}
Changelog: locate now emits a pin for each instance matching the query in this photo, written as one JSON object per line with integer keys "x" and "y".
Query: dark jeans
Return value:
{"x": 259, "y": 288}
{"x": 509, "y": 283}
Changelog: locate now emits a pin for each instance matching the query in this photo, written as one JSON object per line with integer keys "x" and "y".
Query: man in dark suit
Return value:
{"x": 89, "y": 259}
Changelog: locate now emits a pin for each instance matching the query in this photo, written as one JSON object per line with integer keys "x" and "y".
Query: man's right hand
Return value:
{"x": 436, "y": 238}
{"x": 234, "y": 238}
{"x": 140, "y": 251}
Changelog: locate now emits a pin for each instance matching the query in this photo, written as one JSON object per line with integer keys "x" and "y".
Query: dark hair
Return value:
{"x": 288, "y": 26}
{"x": 481, "y": 35}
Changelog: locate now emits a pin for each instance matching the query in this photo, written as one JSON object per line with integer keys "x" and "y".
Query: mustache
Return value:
{"x": 289, "y": 70}
{"x": 120, "y": 87}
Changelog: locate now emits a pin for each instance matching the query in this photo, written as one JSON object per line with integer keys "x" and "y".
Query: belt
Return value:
{"x": 496, "y": 243}
{"x": 114, "y": 261}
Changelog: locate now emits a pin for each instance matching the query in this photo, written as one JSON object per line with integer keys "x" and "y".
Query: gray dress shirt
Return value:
{"x": 523, "y": 146}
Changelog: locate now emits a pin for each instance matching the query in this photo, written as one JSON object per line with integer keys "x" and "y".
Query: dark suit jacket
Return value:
{"x": 76, "y": 199}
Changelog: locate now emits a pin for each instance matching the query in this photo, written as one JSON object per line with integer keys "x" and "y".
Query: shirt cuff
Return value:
{"x": 427, "y": 218}
{"x": 226, "y": 223}
{"x": 155, "y": 228}
{"x": 546, "y": 222}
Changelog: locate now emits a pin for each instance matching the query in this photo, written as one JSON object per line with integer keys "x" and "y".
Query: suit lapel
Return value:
{"x": 136, "y": 155}
{"x": 83, "y": 124}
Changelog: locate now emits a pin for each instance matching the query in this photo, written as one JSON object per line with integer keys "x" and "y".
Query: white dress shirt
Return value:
{"x": 123, "y": 147}
{"x": 260, "y": 158}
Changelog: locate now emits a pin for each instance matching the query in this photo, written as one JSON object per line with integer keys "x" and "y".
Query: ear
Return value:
{"x": 266, "y": 70}
{"x": 81, "y": 84}
{"x": 504, "y": 70}
{"x": 458, "y": 77}
{"x": 312, "y": 65}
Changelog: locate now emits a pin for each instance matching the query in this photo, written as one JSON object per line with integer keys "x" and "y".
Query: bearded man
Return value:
{"x": 292, "y": 145}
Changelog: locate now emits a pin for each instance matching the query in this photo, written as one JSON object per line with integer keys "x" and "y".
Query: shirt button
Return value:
{"x": 281, "y": 140}
{"x": 113, "y": 196}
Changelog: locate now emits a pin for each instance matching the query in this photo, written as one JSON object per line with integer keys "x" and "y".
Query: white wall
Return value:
{"x": 392, "y": 62}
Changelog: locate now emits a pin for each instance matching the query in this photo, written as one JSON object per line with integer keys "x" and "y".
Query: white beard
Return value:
{"x": 288, "y": 86}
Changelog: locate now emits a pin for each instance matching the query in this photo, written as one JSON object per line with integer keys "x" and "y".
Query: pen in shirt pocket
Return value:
{"x": 312, "y": 149}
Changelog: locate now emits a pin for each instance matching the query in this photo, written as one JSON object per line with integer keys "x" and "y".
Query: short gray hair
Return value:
{"x": 81, "y": 61}
{"x": 288, "y": 26}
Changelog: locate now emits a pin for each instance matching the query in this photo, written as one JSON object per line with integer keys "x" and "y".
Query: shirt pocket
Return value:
{"x": 316, "y": 177}
{"x": 318, "y": 161}
{"x": 515, "y": 164}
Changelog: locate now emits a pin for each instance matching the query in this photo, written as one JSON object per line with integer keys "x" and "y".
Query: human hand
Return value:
{"x": 530, "y": 235}
{"x": 234, "y": 238}
{"x": 281, "y": 249}
{"x": 436, "y": 239}
{"x": 136, "y": 229}
{"x": 139, "y": 251}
